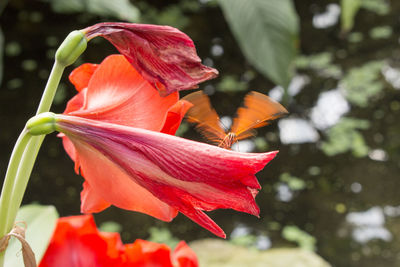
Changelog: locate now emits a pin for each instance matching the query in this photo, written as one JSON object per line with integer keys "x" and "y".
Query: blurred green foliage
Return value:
{"x": 293, "y": 182}
{"x": 110, "y": 226}
{"x": 349, "y": 10}
{"x": 344, "y": 137}
{"x": 261, "y": 144}
{"x": 162, "y": 235}
{"x": 119, "y": 9}
{"x": 219, "y": 253}
{"x": 303, "y": 239}
{"x": 360, "y": 84}
{"x": 351, "y": 7}
{"x": 248, "y": 241}
{"x": 231, "y": 83}
{"x": 381, "y": 7}
{"x": 381, "y": 32}
{"x": 322, "y": 63}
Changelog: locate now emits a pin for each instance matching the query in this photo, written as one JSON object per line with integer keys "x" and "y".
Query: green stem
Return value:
{"x": 23, "y": 159}
{"x": 22, "y": 177}
{"x": 7, "y": 191}
{"x": 32, "y": 148}
{"x": 21, "y": 165}
{"x": 51, "y": 88}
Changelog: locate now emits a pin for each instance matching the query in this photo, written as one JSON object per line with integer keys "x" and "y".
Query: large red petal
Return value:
{"x": 191, "y": 177}
{"x": 117, "y": 93}
{"x": 80, "y": 76}
{"x": 113, "y": 185}
{"x": 147, "y": 254}
{"x": 77, "y": 102}
{"x": 163, "y": 55}
{"x": 175, "y": 116}
{"x": 76, "y": 242}
{"x": 184, "y": 256}
{"x": 91, "y": 201}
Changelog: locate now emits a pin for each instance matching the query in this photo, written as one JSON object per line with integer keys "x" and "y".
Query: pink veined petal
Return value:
{"x": 69, "y": 148}
{"x": 110, "y": 183}
{"x": 117, "y": 93}
{"x": 163, "y": 55}
{"x": 192, "y": 177}
{"x": 91, "y": 202}
{"x": 80, "y": 76}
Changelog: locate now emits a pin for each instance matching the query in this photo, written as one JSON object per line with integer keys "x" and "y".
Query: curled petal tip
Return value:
{"x": 163, "y": 55}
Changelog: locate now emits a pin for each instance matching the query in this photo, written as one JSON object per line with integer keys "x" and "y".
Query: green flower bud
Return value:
{"x": 44, "y": 123}
{"x": 72, "y": 47}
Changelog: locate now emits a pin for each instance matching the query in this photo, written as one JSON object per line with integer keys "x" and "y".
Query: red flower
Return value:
{"x": 76, "y": 242}
{"x": 163, "y": 55}
{"x": 112, "y": 133}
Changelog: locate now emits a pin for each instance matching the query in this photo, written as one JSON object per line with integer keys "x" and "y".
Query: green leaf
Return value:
{"x": 120, "y": 9}
{"x": 349, "y": 11}
{"x": 41, "y": 222}
{"x": 267, "y": 33}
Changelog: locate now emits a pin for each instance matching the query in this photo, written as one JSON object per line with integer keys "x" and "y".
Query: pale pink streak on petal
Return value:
{"x": 70, "y": 149}
{"x": 77, "y": 102}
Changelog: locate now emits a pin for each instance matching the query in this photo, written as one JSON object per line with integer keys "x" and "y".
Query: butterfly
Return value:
{"x": 257, "y": 111}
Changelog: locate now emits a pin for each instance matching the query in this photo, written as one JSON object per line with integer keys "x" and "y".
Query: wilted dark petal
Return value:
{"x": 189, "y": 176}
{"x": 163, "y": 55}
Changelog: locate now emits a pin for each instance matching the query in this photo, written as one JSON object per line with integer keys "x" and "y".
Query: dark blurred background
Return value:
{"x": 335, "y": 65}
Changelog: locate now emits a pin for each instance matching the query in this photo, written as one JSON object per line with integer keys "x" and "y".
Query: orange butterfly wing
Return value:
{"x": 258, "y": 110}
{"x": 204, "y": 117}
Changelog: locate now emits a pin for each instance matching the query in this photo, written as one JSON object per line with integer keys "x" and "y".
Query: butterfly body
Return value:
{"x": 258, "y": 110}
{"x": 229, "y": 139}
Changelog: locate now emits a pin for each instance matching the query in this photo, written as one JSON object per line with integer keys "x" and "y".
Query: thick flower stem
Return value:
{"x": 6, "y": 193}
{"x": 24, "y": 163}
{"x": 22, "y": 160}
{"x": 27, "y": 147}
{"x": 31, "y": 148}
{"x": 51, "y": 88}
{"x": 22, "y": 177}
